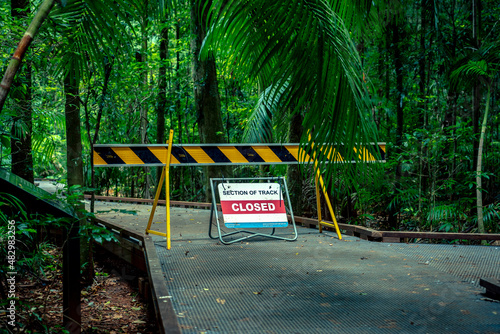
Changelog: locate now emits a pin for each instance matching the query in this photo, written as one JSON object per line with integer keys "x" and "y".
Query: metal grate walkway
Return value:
{"x": 320, "y": 284}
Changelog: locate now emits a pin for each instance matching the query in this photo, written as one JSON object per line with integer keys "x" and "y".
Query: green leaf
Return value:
{"x": 303, "y": 54}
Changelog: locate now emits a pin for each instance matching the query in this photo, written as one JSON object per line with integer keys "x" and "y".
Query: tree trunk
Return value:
{"x": 22, "y": 158}
{"x": 476, "y": 103}
{"x": 179, "y": 172}
{"x": 398, "y": 63}
{"x": 387, "y": 78}
{"x": 422, "y": 63}
{"x": 18, "y": 56}
{"x": 422, "y": 104}
{"x": 108, "y": 66}
{"x": 73, "y": 131}
{"x": 452, "y": 97}
{"x": 144, "y": 107}
{"x": 476, "y": 91}
{"x": 178, "y": 94}
{"x": 162, "y": 95}
{"x": 206, "y": 93}
{"x": 75, "y": 164}
{"x": 479, "y": 190}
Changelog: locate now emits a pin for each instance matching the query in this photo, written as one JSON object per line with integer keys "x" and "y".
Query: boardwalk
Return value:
{"x": 318, "y": 284}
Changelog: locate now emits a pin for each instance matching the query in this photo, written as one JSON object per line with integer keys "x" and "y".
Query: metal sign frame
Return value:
{"x": 251, "y": 234}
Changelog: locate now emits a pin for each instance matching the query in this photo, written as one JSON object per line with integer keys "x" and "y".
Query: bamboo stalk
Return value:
{"x": 29, "y": 35}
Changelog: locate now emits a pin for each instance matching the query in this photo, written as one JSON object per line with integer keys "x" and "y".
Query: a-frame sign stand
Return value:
{"x": 251, "y": 205}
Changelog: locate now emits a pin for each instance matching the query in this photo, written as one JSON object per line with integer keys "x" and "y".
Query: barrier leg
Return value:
{"x": 330, "y": 207}
{"x": 155, "y": 203}
{"x": 319, "y": 178}
{"x": 318, "y": 204}
{"x": 165, "y": 175}
{"x": 167, "y": 184}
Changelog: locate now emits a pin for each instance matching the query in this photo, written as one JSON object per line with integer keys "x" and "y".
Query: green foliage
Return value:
{"x": 331, "y": 61}
{"x": 35, "y": 247}
{"x": 296, "y": 65}
{"x": 491, "y": 217}
{"x": 14, "y": 205}
{"x": 34, "y": 255}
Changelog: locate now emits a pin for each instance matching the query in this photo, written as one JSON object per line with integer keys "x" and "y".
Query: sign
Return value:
{"x": 252, "y": 205}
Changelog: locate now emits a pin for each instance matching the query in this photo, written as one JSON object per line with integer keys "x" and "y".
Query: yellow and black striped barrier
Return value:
{"x": 210, "y": 154}
{"x": 219, "y": 154}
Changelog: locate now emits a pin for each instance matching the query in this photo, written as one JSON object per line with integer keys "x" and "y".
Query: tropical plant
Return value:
{"x": 483, "y": 66}
{"x": 304, "y": 56}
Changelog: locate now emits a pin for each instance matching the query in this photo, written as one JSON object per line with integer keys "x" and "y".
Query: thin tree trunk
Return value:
{"x": 479, "y": 190}
{"x": 178, "y": 180}
{"x": 178, "y": 94}
{"x": 452, "y": 94}
{"x": 422, "y": 63}
{"x": 22, "y": 158}
{"x": 476, "y": 101}
{"x": 144, "y": 107}
{"x": 162, "y": 94}
{"x": 387, "y": 79}
{"x": 73, "y": 131}
{"x": 398, "y": 63}
{"x": 18, "y": 56}
{"x": 476, "y": 92}
{"x": 92, "y": 140}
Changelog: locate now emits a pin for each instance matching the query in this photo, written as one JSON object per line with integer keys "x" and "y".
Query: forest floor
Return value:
{"x": 111, "y": 304}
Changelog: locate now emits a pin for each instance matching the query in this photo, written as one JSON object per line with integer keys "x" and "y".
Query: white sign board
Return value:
{"x": 252, "y": 205}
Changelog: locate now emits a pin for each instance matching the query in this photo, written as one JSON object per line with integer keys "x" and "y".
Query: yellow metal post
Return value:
{"x": 164, "y": 174}
{"x": 167, "y": 184}
{"x": 155, "y": 203}
{"x": 330, "y": 207}
{"x": 319, "y": 178}
{"x": 318, "y": 203}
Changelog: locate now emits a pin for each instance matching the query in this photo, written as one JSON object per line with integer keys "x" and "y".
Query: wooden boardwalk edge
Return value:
{"x": 149, "y": 262}
{"x": 492, "y": 286}
{"x": 167, "y": 319}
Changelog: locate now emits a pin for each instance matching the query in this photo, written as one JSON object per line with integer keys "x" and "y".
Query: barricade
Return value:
{"x": 166, "y": 155}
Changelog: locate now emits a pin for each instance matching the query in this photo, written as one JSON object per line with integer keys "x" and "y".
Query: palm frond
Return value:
{"x": 483, "y": 64}
{"x": 91, "y": 29}
{"x": 265, "y": 118}
{"x": 306, "y": 45}
{"x": 446, "y": 212}
{"x": 471, "y": 70}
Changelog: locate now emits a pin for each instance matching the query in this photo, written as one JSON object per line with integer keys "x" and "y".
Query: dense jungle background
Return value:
{"x": 421, "y": 76}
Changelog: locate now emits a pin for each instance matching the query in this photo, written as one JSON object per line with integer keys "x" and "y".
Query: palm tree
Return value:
{"x": 302, "y": 53}
{"x": 481, "y": 66}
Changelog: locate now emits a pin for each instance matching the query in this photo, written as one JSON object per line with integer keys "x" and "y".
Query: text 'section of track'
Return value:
{"x": 206, "y": 154}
